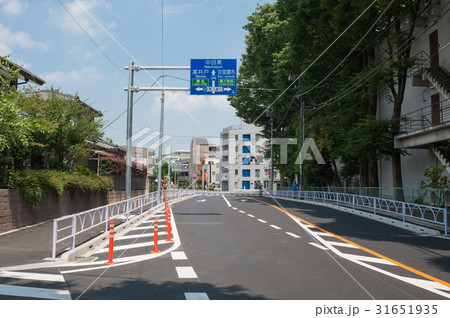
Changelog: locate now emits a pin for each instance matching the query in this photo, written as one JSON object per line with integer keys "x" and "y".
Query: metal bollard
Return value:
{"x": 111, "y": 244}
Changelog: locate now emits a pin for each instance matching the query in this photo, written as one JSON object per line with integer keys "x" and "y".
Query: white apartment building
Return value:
{"x": 426, "y": 103}
{"x": 243, "y": 165}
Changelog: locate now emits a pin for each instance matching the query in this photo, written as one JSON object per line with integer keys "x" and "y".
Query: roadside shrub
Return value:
{"x": 34, "y": 185}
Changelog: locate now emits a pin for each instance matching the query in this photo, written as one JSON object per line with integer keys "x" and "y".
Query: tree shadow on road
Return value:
{"x": 139, "y": 289}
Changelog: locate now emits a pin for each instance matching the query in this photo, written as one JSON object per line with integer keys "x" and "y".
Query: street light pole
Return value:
{"x": 161, "y": 132}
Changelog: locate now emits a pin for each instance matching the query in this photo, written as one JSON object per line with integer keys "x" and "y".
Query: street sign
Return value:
{"x": 213, "y": 77}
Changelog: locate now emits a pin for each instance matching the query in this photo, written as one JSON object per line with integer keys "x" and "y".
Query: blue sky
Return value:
{"x": 41, "y": 36}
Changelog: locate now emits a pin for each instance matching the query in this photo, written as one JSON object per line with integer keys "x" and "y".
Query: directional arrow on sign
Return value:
{"x": 199, "y": 89}
{"x": 213, "y": 72}
{"x": 227, "y": 89}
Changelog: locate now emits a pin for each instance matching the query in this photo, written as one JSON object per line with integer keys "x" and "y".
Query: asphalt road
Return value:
{"x": 237, "y": 247}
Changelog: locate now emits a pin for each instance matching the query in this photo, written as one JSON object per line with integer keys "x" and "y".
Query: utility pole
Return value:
{"x": 129, "y": 131}
{"x": 269, "y": 113}
{"x": 302, "y": 140}
{"x": 161, "y": 132}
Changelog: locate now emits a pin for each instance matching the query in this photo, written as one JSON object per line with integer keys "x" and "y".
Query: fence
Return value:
{"x": 401, "y": 210}
{"x": 426, "y": 196}
{"x": 68, "y": 227}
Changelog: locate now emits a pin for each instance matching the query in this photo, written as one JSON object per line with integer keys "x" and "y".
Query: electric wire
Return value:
{"x": 315, "y": 61}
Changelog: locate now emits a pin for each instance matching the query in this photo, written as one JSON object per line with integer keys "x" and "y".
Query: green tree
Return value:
{"x": 74, "y": 125}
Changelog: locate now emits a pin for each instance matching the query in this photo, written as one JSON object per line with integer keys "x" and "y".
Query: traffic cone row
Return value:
{"x": 155, "y": 250}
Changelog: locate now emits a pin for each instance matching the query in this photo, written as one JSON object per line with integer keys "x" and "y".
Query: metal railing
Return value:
{"x": 426, "y": 117}
{"x": 398, "y": 209}
{"x": 68, "y": 227}
{"x": 425, "y": 196}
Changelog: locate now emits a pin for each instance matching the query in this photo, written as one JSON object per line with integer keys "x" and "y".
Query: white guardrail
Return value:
{"x": 68, "y": 227}
{"x": 400, "y": 209}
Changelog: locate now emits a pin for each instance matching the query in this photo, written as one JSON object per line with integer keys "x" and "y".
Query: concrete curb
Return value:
{"x": 103, "y": 239}
{"x": 379, "y": 218}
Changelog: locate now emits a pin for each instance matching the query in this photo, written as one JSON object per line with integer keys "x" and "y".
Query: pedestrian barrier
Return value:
{"x": 69, "y": 227}
{"x": 111, "y": 244}
{"x": 155, "y": 244}
{"x": 398, "y": 209}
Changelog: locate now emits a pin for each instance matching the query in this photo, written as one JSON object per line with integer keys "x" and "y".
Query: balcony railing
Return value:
{"x": 426, "y": 117}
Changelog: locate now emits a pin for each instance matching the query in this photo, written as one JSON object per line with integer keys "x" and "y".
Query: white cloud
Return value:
{"x": 77, "y": 10}
{"x": 19, "y": 39}
{"x": 183, "y": 102}
{"x": 88, "y": 73}
{"x": 176, "y": 9}
{"x": 13, "y": 7}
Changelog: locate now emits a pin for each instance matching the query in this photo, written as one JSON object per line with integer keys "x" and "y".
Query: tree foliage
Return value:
{"x": 283, "y": 39}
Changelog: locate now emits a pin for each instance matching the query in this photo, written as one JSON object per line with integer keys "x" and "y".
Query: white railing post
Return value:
{"x": 353, "y": 201}
{"x": 404, "y": 211}
{"x": 374, "y": 206}
{"x": 106, "y": 217}
{"x": 74, "y": 230}
{"x": 55, "y": 238}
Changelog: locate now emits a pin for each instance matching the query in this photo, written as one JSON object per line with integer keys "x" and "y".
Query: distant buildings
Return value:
{"x": 243, "y": 165}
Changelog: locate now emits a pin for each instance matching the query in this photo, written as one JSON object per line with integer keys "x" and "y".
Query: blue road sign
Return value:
{"x": 213, "y": 77}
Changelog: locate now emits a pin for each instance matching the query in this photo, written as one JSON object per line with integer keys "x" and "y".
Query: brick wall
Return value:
{"x": 16, "y": 213}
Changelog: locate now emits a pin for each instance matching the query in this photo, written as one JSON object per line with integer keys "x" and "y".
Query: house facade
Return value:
{"x": 426, "y": 132}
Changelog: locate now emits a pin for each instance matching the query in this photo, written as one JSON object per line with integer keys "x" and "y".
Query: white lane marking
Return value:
{"x": 342, "y": 244}
{"x": 147, "y": 227}
{"x": 135, "y": 236}
{"x": 33, "y": 292}
{"x": 369, "y": 259}
{"x": 323, "y": 234}
{"x": 251, "y": 215}
{"x": 178, "y": 256}
{"x": 262, "y": 221}
{"x": 319, "y": 246}
{"x": 204, "y": 200}
{"x": 275, "y": 227}
{"x": 228, "y": 202}
{"x": 32, "y": 276}
{"x": 185, "y": 272}
{"x": 292, "y": 234}
{"x": 244, "y": 200}
{"x": 241, "y": 211}
{"x": 234, "y": 208}
{"x": 196, "y": 296}
{"x": 130, "y": 246}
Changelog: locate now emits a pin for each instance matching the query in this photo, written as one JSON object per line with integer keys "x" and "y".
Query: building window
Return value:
{"x": 245, "y": 149}
{"x": 246, "y": 161}
{"x": 236, "y": 172}
{"x": 236, "y": 137}
{"x": 257, "y": 173}
{"x": 246, "y": 172}
{"x": 246, "y": 185}
{"x": 237, "y": 149}
{"x": 246, "y": 137}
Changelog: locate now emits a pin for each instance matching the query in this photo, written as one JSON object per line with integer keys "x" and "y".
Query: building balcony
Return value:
{"x": 425, "y": 127}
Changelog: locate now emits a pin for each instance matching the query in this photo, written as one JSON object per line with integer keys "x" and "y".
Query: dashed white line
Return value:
{"x": 251, "y": 215}
{"x": 234, "y": 208}
{"x": 241, "y": 211}
{"x": 178, "y": 256}
{"x": 186, "y": 272}
{"x": 196, "y": 296}
{"x": 292, "y": 234}
{"x": 262, "y": 221}
{"x": 275, "y": 227}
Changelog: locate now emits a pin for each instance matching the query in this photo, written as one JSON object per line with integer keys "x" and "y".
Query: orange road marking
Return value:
{"x": 415, "y": 271}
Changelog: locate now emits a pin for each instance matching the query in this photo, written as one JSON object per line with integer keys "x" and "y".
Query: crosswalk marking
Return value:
{"x": 32, "y": 276}
{"x": 34, "y": 292}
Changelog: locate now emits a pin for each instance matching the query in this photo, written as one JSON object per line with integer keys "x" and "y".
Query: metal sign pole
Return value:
{"x": 129, "y": 132}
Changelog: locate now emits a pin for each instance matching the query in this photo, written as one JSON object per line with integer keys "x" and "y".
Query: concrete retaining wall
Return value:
{"x": 16, "y": 213}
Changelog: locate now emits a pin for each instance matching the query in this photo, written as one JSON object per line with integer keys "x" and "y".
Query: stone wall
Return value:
{"x": 16, "y": 213}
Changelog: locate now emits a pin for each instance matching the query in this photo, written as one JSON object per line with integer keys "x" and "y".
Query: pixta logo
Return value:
{"x": 308, "y": 144}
